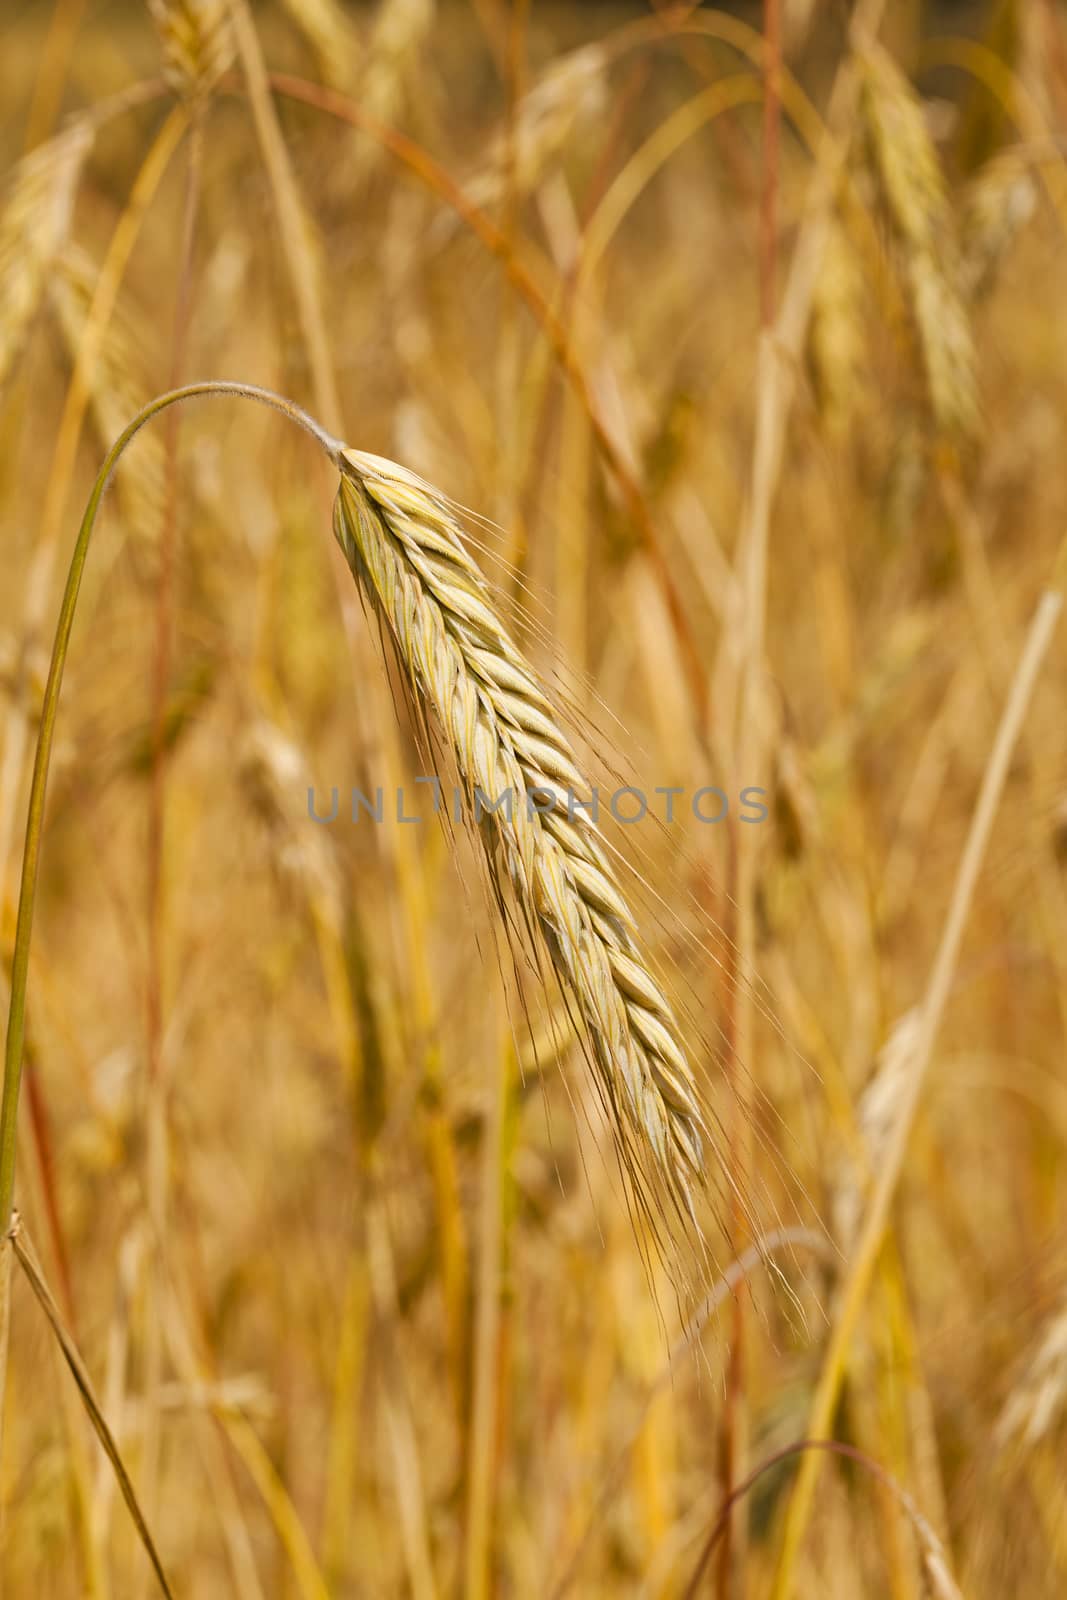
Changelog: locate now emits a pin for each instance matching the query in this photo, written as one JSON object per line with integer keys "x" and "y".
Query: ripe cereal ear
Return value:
{"x": 406, "y": 551}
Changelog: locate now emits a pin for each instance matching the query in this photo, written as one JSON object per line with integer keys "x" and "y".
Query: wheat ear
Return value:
{"x": 916, "y": 198}
{"x": 197, "y": 43}
{"x": 34, "y": 222}
{"x": 405, "y": 549}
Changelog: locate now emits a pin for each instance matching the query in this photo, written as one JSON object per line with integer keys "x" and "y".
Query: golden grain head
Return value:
{"x": 946, "y": 342}
{"x": 923, "y": 228}
{"x": 903, "y": 155}
{"x": 405, "y": 548}
{"x": 836, "y": 331}
{"x": 34, "y": 225}
{"x": 197, "y": 43}
{"x": 998, "y": 204}
{"x": 116, "y": 383}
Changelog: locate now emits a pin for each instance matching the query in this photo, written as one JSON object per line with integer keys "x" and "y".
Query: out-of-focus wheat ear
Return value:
{"x": 999, "y": 202}
{"x": 116, "y": 392}
{"x": 273, "y": 774}
{"x": 197, "y": 43}
{"x": 405, "y": 549}
{"x": 913, "y": 189}
{"x": 1038, "y": 1400}
{"x": 34, "y": 225}
{"x": 947, "y": 346}
{"x": 877, "y": 1109}
{"x": 835, "y": 333}
{"x": 903, "y": 154}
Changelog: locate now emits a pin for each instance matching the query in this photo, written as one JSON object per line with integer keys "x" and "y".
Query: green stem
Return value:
{"x": 35, "y": 820}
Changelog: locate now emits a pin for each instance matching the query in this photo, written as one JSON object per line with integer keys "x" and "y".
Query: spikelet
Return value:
{"x": 405, "y": 549}
{"x": 197, "y": 43}
{"x": 999, "y": 203}
{"x": 115, "y": 392}
{"x": 913, "y": 191}
{"x": 34, "y": 225}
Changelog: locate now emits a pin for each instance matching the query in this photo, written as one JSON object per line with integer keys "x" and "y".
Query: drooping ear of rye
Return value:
{"x": 405, "y": 549}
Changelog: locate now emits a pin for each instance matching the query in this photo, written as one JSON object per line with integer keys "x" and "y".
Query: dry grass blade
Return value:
{"x": 197, "y": 43}
{"x": 27, "y": 1260}
{"x": 33, "y": 228}
{"x": 404, "y": 547}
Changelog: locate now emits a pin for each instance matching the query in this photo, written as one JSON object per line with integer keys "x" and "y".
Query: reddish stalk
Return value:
{"x": 41, "y": 1126}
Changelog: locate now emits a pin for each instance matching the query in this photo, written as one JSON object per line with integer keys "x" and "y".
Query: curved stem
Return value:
{"x": 35, "y": 819}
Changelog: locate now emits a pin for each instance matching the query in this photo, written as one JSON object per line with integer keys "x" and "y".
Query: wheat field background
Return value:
{"x": 739, "y": 337}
